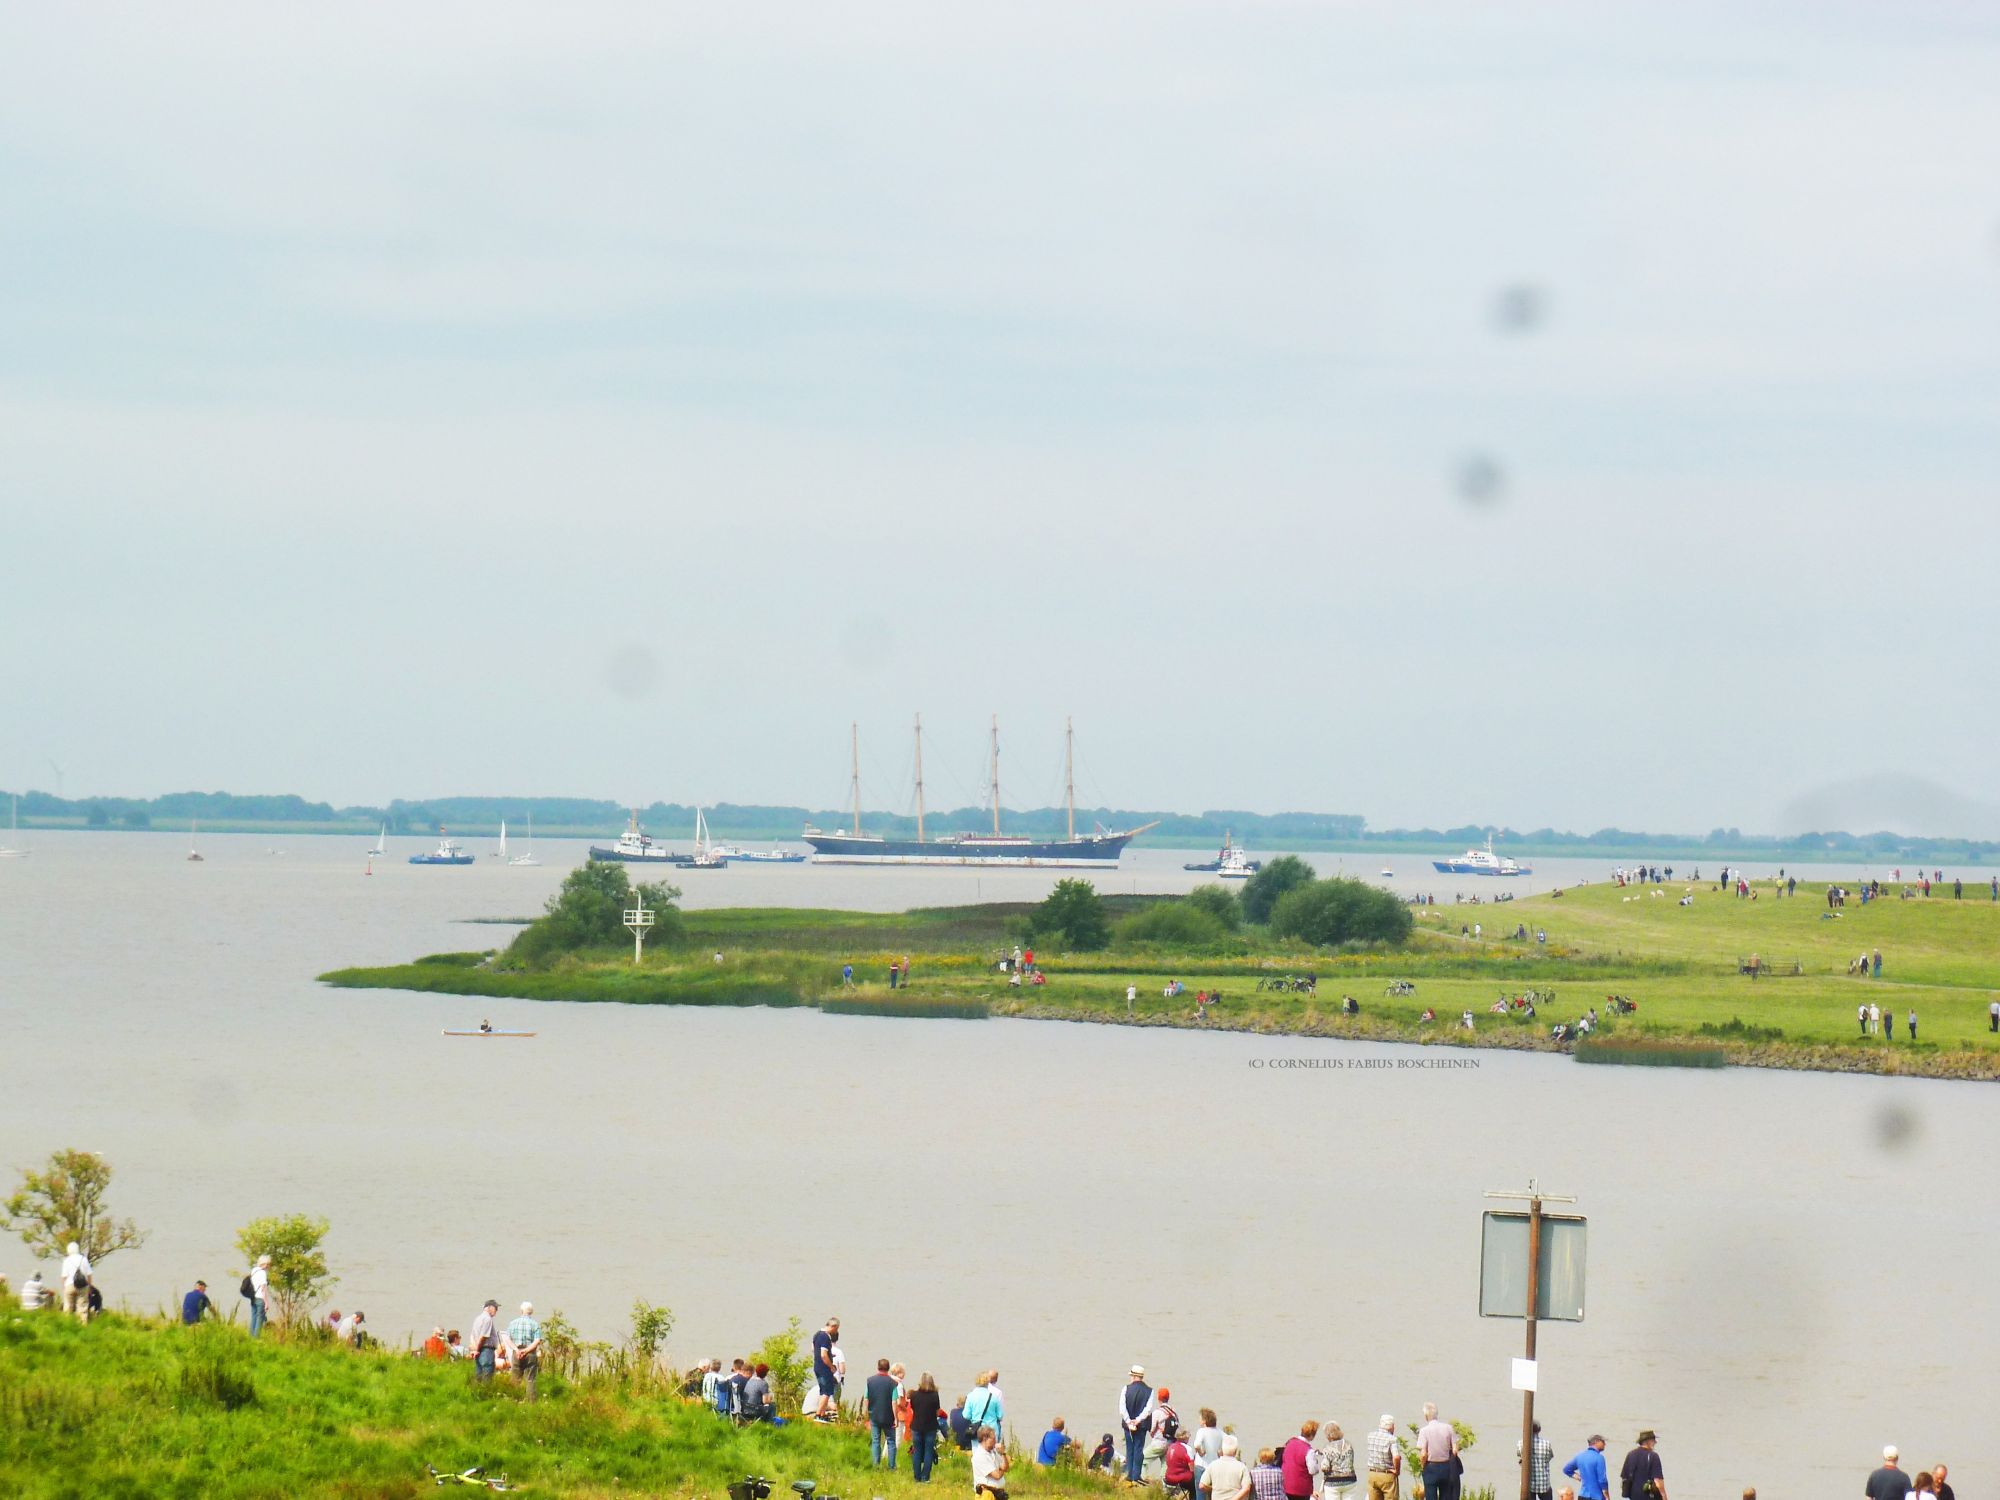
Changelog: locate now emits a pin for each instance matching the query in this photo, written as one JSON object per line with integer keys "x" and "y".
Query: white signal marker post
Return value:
{"x": 639, "y": 919}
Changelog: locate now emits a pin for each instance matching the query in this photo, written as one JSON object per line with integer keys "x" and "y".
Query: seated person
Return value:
{"x": 1428, "y": 1015}
{"x": 1055, "y": 1442}
{"x": 755, "y": 1404}
{"x": 1351, "y": 1006}
{"x": 34, "y": 1295}
{"x": 1103, "y": 1456}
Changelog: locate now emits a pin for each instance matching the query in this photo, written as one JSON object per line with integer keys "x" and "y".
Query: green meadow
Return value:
{"x": 1682, "y": 965}
{"x": 141, "y": 1407}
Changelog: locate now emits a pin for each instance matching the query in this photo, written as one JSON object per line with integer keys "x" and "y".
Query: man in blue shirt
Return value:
{"x": 823, "y": 1376}
{"x": 1054, "y": 1442}
{"x": 1587, "y": 1469}
{"x": 196, "y": 1303}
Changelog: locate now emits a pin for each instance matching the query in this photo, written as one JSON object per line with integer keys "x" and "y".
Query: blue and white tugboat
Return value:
{"x": 1093, "y": 851}
{"x": 446, "y": 853}
{"x": 634, "y": 848}
{"x": 1480, "y": 862}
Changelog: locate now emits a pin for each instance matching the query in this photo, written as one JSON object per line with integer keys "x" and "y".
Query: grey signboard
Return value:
{"x": 1503, "y": 1267}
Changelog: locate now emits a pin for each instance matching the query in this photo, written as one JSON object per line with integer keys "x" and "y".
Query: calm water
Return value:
{"x": 1786, "y": 1271}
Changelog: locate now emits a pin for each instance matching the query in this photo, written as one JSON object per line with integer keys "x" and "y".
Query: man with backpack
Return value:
{"x": 76, "y": 1283}
{"x": 257, "y": 1288}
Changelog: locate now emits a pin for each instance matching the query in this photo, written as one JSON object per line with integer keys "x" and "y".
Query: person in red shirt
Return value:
{"x": 435, "y": 1347}
{"x": 1179, "y": 1471}
{"x": 1298, "y": 1463}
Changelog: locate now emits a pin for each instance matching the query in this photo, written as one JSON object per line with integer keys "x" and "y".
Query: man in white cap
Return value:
{"x": 76, "y": 1283}
{"x": 1888, "y": 1482}
{"x": 1385, "y": 1461}
{"x": 1135, "y": 1414}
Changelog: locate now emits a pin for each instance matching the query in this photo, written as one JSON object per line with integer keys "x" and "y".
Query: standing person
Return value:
{"x": 1993, "y": 1016}
{"x": 1267, "y": 1479}
{"x": 260, "y": 1294}
{"x": 195, "y": 1304}
{"x": 1054, "y": 1444}
{"x": 1227, "y": 1478}
{"x": 1207, "y": 1444}
{"x": 485, "y": 1341}
{"x": 982, "y": 1404}
{"x": 344, "y": 1330}
{"x": 1944, "y": 1491}
{"x": 1336, "y": 1463}
{"x": 1593, "y": 1481}
{"x": 524, "y": 1339}
{"x": 1131, "y": 999}
{"x": 1135, "y": 1419}
{"x": 1437, "y": 1446}
{"x": 1887, "y": 1482}
{"x": 76, "y": 1275}
{"x": 847, "y": 976}
{"x": 823, "y": 1377}
{"x": 1541, "y": 1454}
{"x": 924, "y": 1406}
{"x": 989, "y": 1466}
{"x": 1299, "y": 1463}
{"x": 881, "y": 1397}
{"x": 1878, "y": 963}
{"x": 1385, "y": 1462}
{"x": 1642, "y": 1469}
{"x": 898, "y": 1374}
{"x": 1875, "y": 1017}
{"x": 1861, "y": 1014}
{"x": 1166, "y": 1427}
{"x": 1913, "y": 1023}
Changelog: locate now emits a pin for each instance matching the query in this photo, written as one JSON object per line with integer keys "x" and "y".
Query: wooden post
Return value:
{"x": 1534, "y": 1295}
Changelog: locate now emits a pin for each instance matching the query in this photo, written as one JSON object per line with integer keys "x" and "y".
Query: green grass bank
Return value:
{"x": 1683, "y": 965}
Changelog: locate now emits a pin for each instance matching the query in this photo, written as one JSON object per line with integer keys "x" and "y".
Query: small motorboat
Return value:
{"x": 1230, "y": 862}
{"x": 446, "y": 853}
{"x": 1386, "y": 873}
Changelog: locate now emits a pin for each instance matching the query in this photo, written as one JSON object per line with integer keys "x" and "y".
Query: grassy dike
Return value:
{"x": 1681, "y": 964}
{"x": 135, "y": 1407}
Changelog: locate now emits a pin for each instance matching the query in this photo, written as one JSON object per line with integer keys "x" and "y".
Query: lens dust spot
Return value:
{"x": 215, "y": 1102}
{"x": 1520, "y": 308}
{"x": 1479, "y": 480}
{"x": 632, "y": 670}
{"x": 1897, "y": 1127}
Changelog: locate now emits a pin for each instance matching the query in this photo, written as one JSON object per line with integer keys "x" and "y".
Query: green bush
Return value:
{"x": 1220, "y": 902}
{"x": 589, "y": 912}
{"x": 1073, "y": 914}
{"x": 1173, "y": 924}
{"x": 1327, "y": 913}
{"x": 1262, "y": 892}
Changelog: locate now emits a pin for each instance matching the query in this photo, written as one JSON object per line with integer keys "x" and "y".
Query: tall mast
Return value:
{"x": 996, "y": 775}
{"x": 854, "y": 734}
{"x": 920, "y": 778}
{"x": 1069, "y": 773}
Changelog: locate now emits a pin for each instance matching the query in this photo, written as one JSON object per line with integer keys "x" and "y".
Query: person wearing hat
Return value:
{"x": 485, "y": 1340}
{"x": 260, "y": 1294}
{"x": 1593, "y": 1482}
{"x": 195, "y": 1304}
{"x": 75, "y": 1282}
{"x": 1642, "y": 1478}
{"x": 1135, "y": 1416}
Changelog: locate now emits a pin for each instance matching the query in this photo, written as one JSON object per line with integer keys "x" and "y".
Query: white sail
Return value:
{"x": 381, "y": 841}
{"x": 527, "y": 856}
{"x": 11, "y": 849}
{"x": 503, "y": 838}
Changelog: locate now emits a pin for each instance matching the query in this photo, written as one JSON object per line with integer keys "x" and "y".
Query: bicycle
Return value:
{"x": 475, "y": 1477}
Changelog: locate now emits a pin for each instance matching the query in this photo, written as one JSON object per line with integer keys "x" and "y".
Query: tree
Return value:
{"x": 1074, "y": 912}
{"x": 1262, "y": 890}
{"x": 299, "y": 1277}
{"x": 65, "y": 1202}
{"x": 1220, "y": 902}
{"x": 99, "y": 816}
{"x": 650, "y": 1326}
{"x": 588, "y": 911}
{"x": 1327, "y": 913}
{"x": 789, "y": 1368}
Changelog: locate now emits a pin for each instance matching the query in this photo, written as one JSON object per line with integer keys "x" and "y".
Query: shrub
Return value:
{"x": 1263, "y": 890}
{"x": 1173, "y": 924}
{"x": 789, "y": 1369}
{"x": 1327, "y": 913}
{"x": 588, "y": 911}
{"x": 214, "y": 1370}
{"x": 299, "y": 1276}
{"x": 1074, "y": 914}
{"x": 1220, "y": 902}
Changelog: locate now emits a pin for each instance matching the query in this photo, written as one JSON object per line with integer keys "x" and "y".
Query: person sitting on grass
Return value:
{"x": 1055, "y": 1443}
{"x": 989, "y": 1466}
{"x": 757, "y": 1405}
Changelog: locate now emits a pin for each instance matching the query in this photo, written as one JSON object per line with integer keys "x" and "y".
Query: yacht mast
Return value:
{"x": 1069, "y": 773}
{"x": 854, "y": 736}
{"x": 920, "y": 778}
{"x": 996, "y": 775}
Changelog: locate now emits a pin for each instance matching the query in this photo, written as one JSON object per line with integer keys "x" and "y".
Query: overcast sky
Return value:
{"x": 1557, "y": 414}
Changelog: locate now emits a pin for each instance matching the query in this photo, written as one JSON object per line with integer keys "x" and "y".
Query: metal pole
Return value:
{"x": 1534, "y": 1295}
{"x": 920, "y": 778}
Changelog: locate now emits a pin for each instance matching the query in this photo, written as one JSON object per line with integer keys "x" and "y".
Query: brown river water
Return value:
{"x": 1786, "y": 1270}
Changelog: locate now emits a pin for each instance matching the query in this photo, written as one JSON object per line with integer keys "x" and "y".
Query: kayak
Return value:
{"x": 489, "y": 1033}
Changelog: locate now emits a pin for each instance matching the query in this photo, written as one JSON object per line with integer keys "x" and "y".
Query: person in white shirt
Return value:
{"x": 347, "y": 1327}
{"x": 75, "y": 1269}
{"x": 989, "y": 1466}
{"x": 34, "y": 1296}
{"x": 260, "y": 1294}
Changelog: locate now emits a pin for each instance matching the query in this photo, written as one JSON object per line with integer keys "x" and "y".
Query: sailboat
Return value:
{"x": 501, "y": 852}
{"x": 194, "y": 854}
{"x": 381, "y": 842}
{"x": 706, "y": 855}
{"x": 527, "y": 857}
{"x": 8, "y": 850}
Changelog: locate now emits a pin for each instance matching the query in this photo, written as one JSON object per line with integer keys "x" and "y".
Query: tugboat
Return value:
{"x": 633, "y": 847}
{"x": 1231, "y": 863}
{"x": 446, "y": 853}
{"x": 1480, "y": 862}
